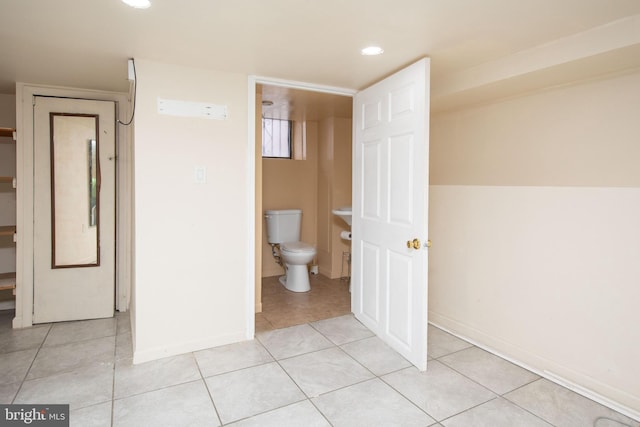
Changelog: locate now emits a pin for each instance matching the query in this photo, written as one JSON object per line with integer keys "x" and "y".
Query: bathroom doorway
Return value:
{"x": 316, "y": 179}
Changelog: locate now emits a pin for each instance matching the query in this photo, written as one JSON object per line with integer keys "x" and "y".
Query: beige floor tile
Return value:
{"x": 23, "y": 339}
{"x": 232, "y": 357}
{"x": 376, "y": 356}
{"x": 440, "y": 391}
{"x": 8, "y": 392}
{"x": 295, "y": 415}
{"x": 441, "y": 343}
{"x": 133, "y": 379}
{"x": 80, "y": 388}
{"x": 92, "y": 416}
{"x": 69, "y": 357}
{"x": 251, "y": 391}
{"x": 562, "y": 407}
{"x": 371, "y": 403}
{"x": 181, "y": 405}
{"x": 282, "y": 308}
{"x": 293, "y": 341}
{"x": 493, "y": 372}
{"x": 324, "y": 371}
{"x": 496, "y": 413}
{"x": 343, "y": 329}
{"x": 14, "y": 366}
{"x": 68, "y": 332}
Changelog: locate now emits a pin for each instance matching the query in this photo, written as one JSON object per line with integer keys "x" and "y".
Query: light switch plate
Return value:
{"x": 200, "y": 174}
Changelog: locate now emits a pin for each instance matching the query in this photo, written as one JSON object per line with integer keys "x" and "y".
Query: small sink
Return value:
{"x": 344, "y": 213}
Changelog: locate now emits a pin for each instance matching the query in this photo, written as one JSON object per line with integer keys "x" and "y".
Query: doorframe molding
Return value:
{"x": 253, "y": 250}
{"x": 25, "y": 193}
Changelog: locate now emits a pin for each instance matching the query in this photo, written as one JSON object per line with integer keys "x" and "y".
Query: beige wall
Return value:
{"x": 334, "y": 191}
{"x": 578, "y": 136}
{"x": 291, "y": 184}
{"x": 534, "y": 209}
{"x": 191, "y": 261}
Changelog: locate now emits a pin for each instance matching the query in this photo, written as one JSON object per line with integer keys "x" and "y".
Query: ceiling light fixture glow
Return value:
{"x": 372, "y": 50}
{"x": 138, "y": 4}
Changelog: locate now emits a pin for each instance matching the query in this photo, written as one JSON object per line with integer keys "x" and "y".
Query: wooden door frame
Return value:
{"x": 25, "y": 194}
{"x": 253, "y": 250}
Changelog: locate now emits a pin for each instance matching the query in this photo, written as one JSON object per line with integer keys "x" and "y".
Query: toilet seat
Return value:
{"x": 297, "y": 247}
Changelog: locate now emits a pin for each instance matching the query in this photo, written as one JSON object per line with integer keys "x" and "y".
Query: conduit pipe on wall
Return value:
{"x": 275, "y": 251}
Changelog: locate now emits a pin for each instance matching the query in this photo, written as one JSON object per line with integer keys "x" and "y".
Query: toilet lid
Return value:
{"x": 297, "y": 247}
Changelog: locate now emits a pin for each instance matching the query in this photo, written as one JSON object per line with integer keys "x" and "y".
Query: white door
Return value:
{"x": 74, "y": 209}
{"x": 390, "y": 208}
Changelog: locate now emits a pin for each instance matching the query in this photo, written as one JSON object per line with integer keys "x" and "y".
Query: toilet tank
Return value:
{"x": 283, "y": 225}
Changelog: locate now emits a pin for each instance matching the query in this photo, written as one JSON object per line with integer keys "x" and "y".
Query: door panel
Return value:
{"x": 400, "y": 297}
{"x": 401, "y": 179}
{"x": 390, "y": 208}
{"x": 371, "y": 174}
{"x": 369, "y": 305}
{"x": 74, "y": 209}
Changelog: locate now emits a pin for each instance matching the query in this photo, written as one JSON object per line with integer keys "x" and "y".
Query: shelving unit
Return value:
{"x": 7, "y": 230}
{"x": 8, "y": 281}
{"x": 8, "y": 132}
{"x": 7, "y": 184}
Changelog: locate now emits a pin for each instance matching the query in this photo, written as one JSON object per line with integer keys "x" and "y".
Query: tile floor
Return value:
{"x": 323, "y": 373}
{"x": 282, "y": 308}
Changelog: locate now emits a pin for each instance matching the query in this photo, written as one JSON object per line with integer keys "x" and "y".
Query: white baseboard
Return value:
{"x": 141, "y": 356}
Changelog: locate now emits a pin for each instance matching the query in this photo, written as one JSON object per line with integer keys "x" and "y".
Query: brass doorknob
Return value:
{"x": 428, "y": 243}
{"x": 415, "y": 244}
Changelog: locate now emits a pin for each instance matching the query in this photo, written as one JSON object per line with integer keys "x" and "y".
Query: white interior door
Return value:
{"x": 390, "y": 208}
{"x": 74, "y": 209}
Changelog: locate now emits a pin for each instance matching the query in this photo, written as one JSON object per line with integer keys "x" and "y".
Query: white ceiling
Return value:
{"x": 85, "y": 43}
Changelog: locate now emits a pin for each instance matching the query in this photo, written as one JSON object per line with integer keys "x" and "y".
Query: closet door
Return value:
{"x": 74, "y": 209}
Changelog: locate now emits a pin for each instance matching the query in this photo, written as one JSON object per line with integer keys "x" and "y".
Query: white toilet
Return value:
{"x": 283, "y": 231}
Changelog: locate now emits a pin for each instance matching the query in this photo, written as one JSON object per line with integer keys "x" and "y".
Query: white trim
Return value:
{"x": 24, "y": 195}
{"x": 292, "y": 84}
{"x": 251, "y": 177}
{"x": 185, "y": 347}
{"x": 589, "y": 394}
{"x": 251, "y": 209}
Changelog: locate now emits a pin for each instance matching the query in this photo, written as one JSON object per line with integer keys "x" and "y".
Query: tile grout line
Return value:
{"x": 113, "y": 383}
{"x": 497, "y": 395}
{"x": 276, "y": 361}
{"x": 206, "y": 386}
{"x": 31, "y": 364}
{"x": 375, "y": 376}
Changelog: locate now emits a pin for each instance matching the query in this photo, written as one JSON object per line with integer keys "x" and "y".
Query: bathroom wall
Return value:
{"x": 334, "y": 191}
{"x": 291, "y": 184}
{"x": 534, "y": 207}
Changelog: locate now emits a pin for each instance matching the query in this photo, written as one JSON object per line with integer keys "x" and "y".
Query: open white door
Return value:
{"x": 390, "y": 210}
{"x": 74, "y": 209}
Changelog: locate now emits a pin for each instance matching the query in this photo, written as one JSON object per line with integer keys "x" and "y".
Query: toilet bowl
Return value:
{"x": 296, "y": 257}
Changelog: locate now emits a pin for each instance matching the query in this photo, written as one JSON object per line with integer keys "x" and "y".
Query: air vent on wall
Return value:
{"x": 202, "y": 110}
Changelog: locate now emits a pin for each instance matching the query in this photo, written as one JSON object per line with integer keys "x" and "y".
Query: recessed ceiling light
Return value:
{"x": 372, "y": 50}
{"x": 138, "y": 4}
